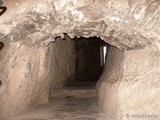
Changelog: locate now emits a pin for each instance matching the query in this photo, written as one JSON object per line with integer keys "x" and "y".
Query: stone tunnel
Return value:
{"x": 37, "y": 54}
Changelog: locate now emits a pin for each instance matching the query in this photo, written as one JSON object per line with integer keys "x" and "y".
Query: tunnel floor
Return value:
{"x": 65, "y": 108}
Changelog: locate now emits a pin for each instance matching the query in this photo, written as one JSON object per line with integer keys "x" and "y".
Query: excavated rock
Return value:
{"x": 28, "y": 28}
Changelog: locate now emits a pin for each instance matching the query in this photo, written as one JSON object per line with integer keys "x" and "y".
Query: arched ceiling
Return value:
{"x": 125, "y": 24}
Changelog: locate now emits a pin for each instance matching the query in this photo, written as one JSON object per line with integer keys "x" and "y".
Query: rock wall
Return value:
{"x": 28, "y": 72}
{"x": 107, "y": 85}
{"x": 129, "y": 87}
{"x": 125, "y": 24}
{"x": 63, "y": 62}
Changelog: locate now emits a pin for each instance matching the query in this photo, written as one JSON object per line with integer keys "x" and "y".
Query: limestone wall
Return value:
{"x": 126, "y": 24}
{"x": 107, "y": 85}
{"x": 130, "y": 85}
{"x": 62, "y": 62}
{"x": 28, "y": 72}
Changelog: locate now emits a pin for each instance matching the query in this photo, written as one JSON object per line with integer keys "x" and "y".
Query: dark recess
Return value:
{"x": 3, "y": 9}
{"x": 1, "y": 45}
{"x": 87, "y": 62}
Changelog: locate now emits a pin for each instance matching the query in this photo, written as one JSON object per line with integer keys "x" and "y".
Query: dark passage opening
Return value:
{"x": 1, "y": 45}
{"x": 89, "y": 61}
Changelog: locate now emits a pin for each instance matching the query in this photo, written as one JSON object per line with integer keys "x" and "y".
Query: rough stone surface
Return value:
{"x": 27, "y": 73}
{"x": 62, "y": 62}
{"x": 130, "y": 84}
{"x": 125, "y": 24}
{"x": 72, "y": 108}
{"x": 131, "y": 81}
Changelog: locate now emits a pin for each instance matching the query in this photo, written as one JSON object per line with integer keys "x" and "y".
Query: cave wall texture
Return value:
{"x": 132, "y": 26}
{"x": 130, "y": 84}
{"x": 126, "y": 24}
{"x": 29, "y": 73}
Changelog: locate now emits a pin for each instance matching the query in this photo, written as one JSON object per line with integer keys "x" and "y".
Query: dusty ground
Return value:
{"x": 69, "y": 108}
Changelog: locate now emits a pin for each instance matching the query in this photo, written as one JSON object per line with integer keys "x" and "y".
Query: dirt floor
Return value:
{"x": 68, "y": 108}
